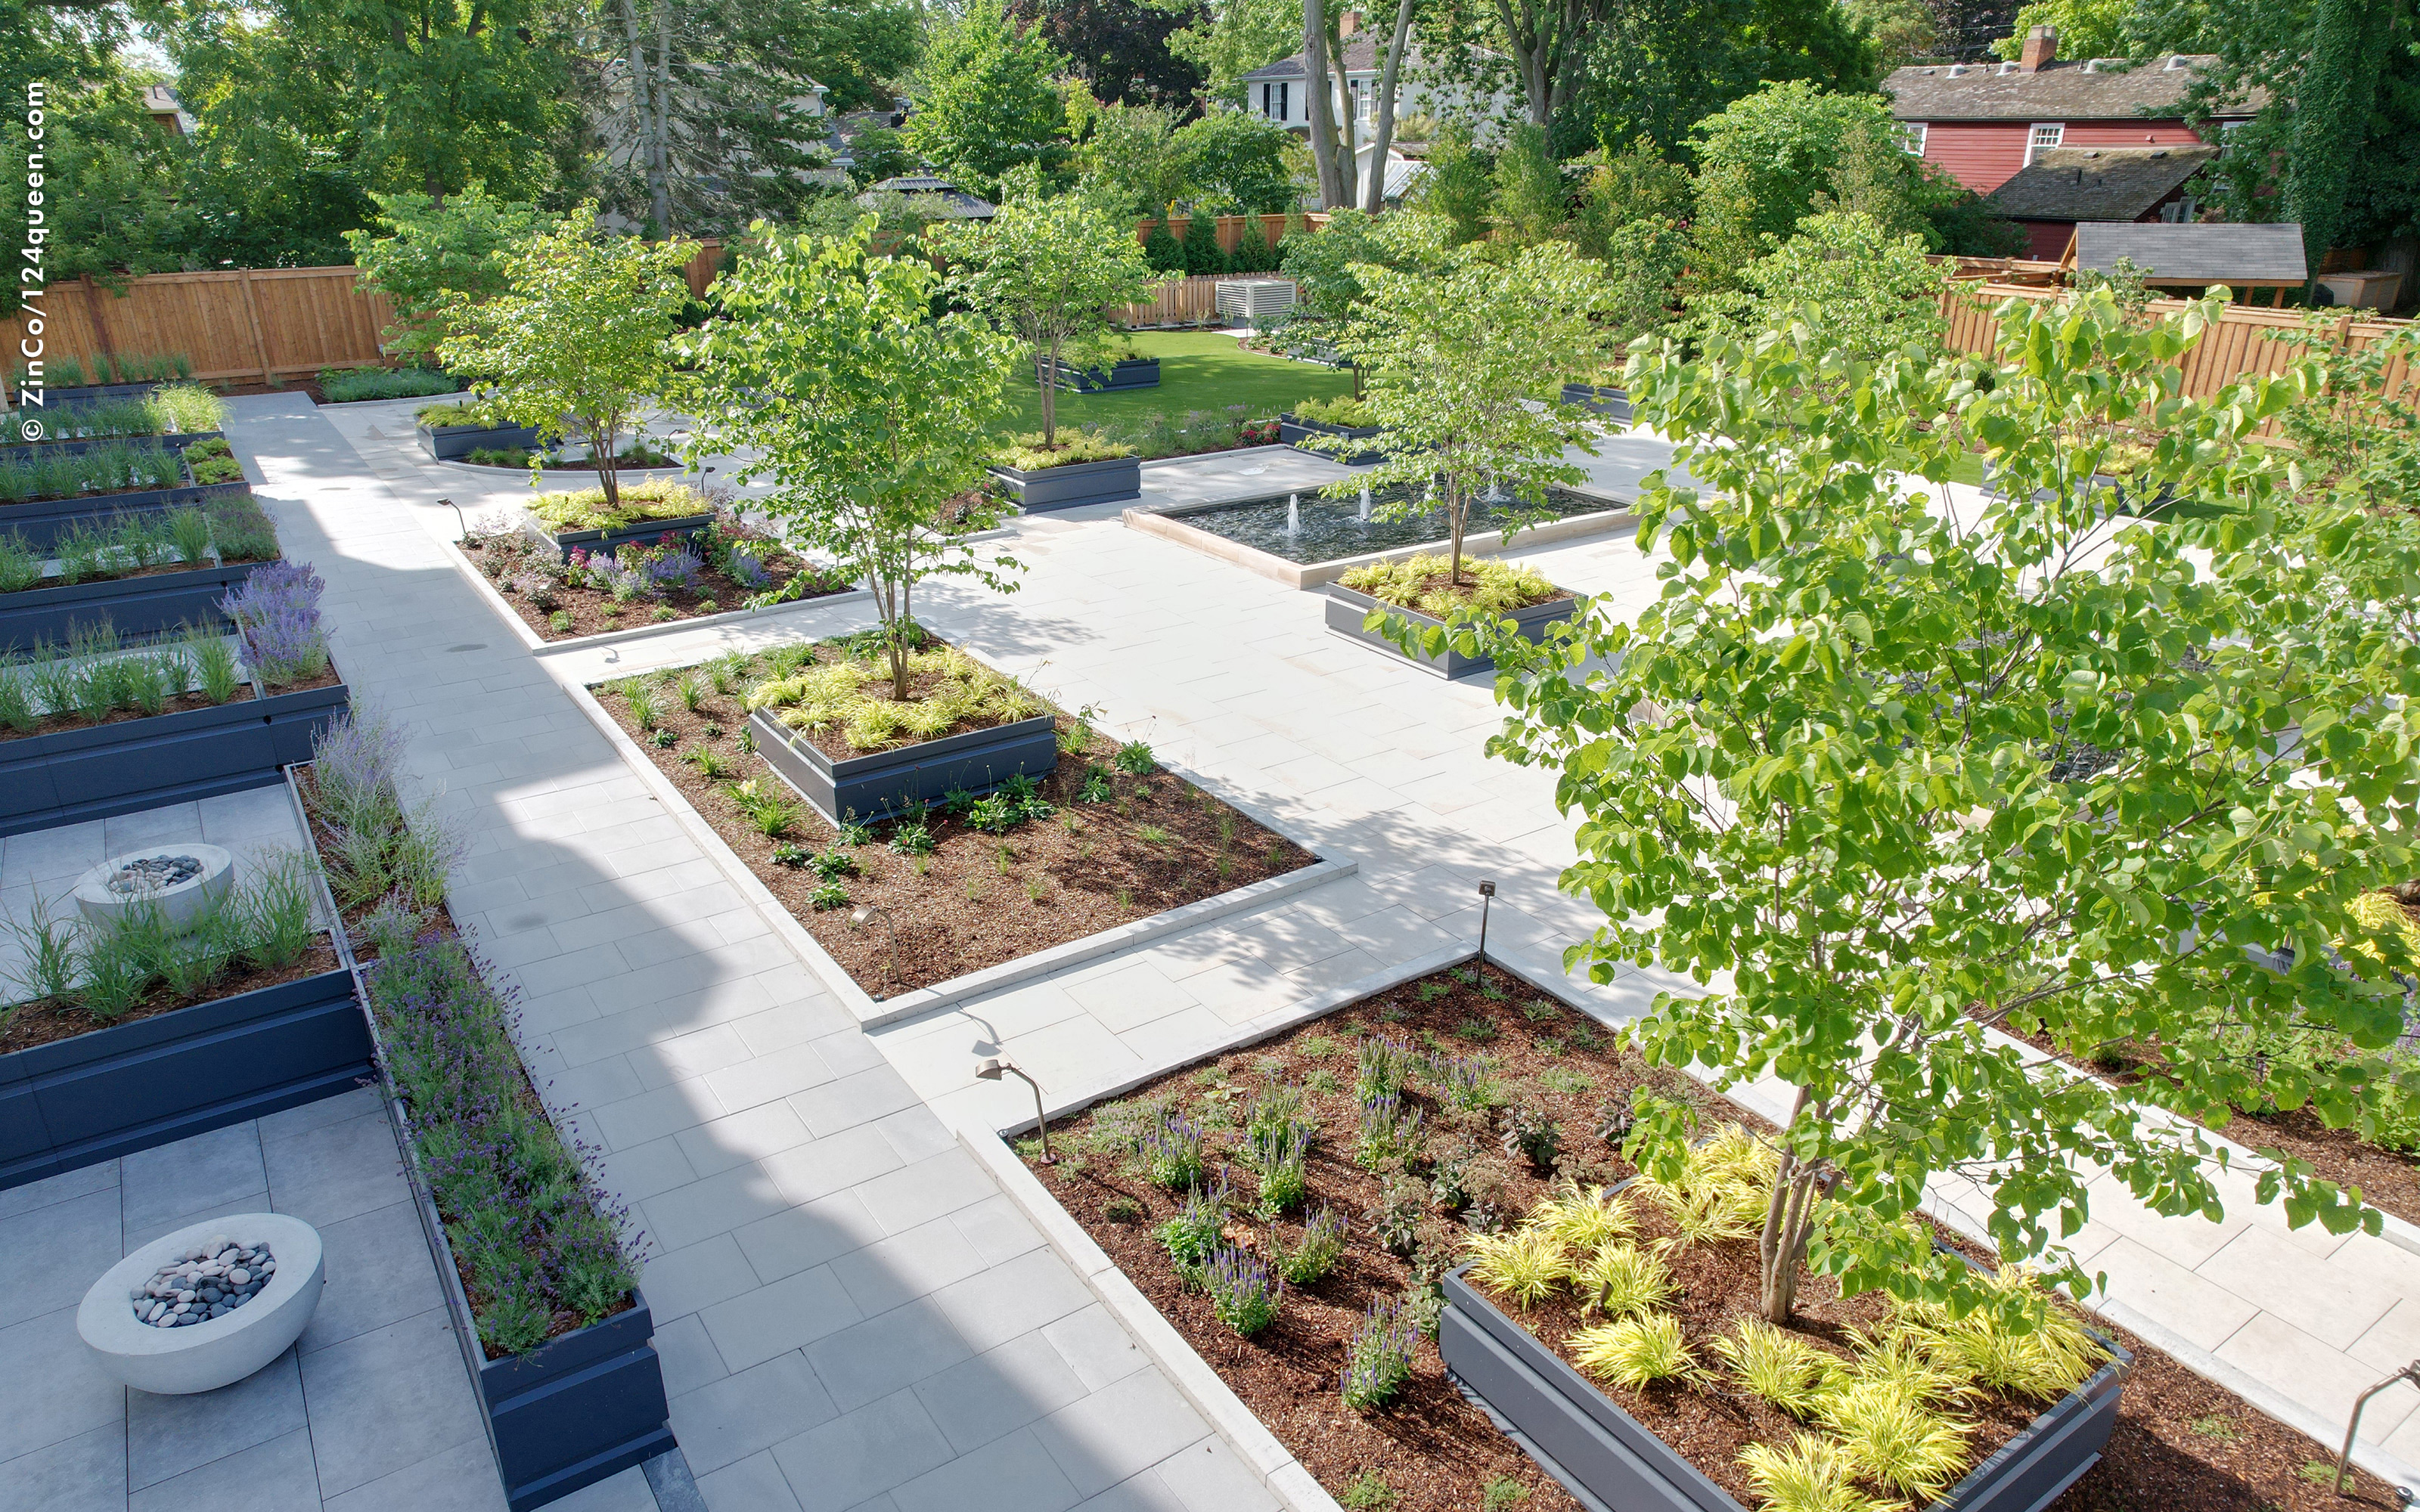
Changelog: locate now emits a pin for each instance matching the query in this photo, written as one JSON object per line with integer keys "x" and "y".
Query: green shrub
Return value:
{"x": 1341, "y": 410}
{"x": 1496, "y": 587}
{"x": 352, "y": 385}
{"x": 1026, "y": 453}
{"x": 584, "y": 509}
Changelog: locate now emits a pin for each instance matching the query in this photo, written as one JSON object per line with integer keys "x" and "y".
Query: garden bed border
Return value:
{"x": 1346, "y": 608}
{"x": 536, "y": 645}
{"x": 872, "y": 1012}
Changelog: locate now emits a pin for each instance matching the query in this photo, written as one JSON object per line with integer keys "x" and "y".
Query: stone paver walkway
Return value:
{"x": 370, "y": 1411}
{"x": 850, "y": 1312}
{"x": 817, "y": 1229}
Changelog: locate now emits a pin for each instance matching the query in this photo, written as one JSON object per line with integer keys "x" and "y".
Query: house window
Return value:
{"x": 1911, "y": 136}
{"x": 2227, "y": 131}
{"x": 1273, "y": 100}
{"x": 2179, "y": 211}
{"x": 2045, "y": 136}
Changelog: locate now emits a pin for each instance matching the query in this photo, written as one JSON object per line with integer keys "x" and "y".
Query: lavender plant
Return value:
{"x": 1172, "y": 1151}
{"x": 376, "y": 848}
{"x": 1379, "y": 1360}
{"x": 277, "y": 614}
{"x": 1465, "y": 1082}
{"x": 534, "y": 1231}
{"x": 1242, "y": 1292}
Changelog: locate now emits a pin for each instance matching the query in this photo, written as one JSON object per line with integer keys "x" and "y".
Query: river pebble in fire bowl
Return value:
{"x": 153, "y": 874}
{"x": 209, "y": 1280}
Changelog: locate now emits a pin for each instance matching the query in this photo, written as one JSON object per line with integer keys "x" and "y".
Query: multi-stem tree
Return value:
{"x": 580, "y": 340}
{"x": 868, "y": 411}
{"x": 1888, "y": 767}
{"x": 1456, "y": 347}
{"x": 1044, "y": 269}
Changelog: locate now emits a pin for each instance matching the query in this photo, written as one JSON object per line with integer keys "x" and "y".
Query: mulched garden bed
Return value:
{"x": 978, "y": 900}
{"x": 49, "y": 1021}
{"x": 2181, "y": 1442}
{"x": 50, "y": 724}
{"x": 505, "y": 558}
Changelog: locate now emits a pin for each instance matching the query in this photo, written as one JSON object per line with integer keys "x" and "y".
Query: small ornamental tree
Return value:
{"x": 426, "y": 256}
{"x": 580, "y": 339}
{"x": 1455, "y": 348}
{"x": 1860, "y": 290}
{"x": 867, "y": 411}
{"x": 1046, "y": 270}
{"x": 1885, "y": 768}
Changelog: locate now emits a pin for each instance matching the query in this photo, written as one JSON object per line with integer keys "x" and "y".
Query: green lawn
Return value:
{"x": 1198, "y": 370}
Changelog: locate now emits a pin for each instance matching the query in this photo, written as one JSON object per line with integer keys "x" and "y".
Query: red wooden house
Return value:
{"x": 1988, "y": 122}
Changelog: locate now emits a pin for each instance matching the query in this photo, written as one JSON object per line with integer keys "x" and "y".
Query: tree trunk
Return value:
{"x": 1374, "y": 193}
{"x": 601, "y": 458}
{"x": 1345, "y": 157}
{"x": 1545, "y": 39}
{"x": 659, "y": 189}
{"x": 1049, "y": 380}
{"x": 1789, "y": 1220}
{"x": 642, "y": 115}
{"x": 1323, "y": 131}
{"x": 1457, "y": 513}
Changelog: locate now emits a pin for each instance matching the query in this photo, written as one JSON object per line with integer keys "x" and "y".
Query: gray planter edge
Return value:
{"x": 1076, "y": 485}
{"x": 810, "y": 773}
{"x": 1599, "y": 398}
{"x": 65, "y": 599}
{"x": 1346, "y": 608}
{"x": 176, "y": 440}
{"x": 443, "y": 444}
{"x": 614, "y": 536}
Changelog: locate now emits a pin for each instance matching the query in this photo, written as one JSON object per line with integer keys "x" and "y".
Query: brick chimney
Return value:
{"x": 2042, "y": 45}
{"x": 1348, "y": 24}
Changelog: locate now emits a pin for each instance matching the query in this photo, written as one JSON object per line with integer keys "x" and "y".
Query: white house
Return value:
{"x": 1280, "y": 90}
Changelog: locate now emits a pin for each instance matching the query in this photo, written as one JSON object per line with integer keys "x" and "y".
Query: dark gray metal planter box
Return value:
{"x": 1612, "y": 402}
{"x": 132, "y": 1086}
{"x": 1292, "y": 432}
{"x": 568, "y": 1414}
{"x": 99, "y": 392}
{"x": 1075, "y": 484}
{"x": 1348, "y": 606}
{"x": 177, "y": 441}
{"x": 905, "y": 780}
{"x": 645, "y": 532}
{"x": 69, "y": 776}
{"x": 1610, "y": 1459}
{"x": 41, "y": 523}
{"x": 1134, "y": 373}
{"x": 449, "y": 443}
{"x": 133, "y": 606}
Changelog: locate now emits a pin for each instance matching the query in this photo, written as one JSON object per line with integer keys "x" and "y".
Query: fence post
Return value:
{"x": 259, "y": 342}
{"x": 92, "y": 292}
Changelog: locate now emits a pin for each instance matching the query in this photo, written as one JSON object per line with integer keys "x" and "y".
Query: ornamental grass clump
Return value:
{"x": 1636, "y": 1351}
{"x": 1813, "y": 1475}
{"x": 533, "y": 1233}
{"x": 118, "y": 467}
{"x": 1622, "y": 1280}
{"x": 1782, "y": 1369}
{"x": 585, "y": 509}
{"x": 276, "y": 616}
{"x": 1379, "y": 1359}
{"x": 265, "y": 922}
{"x": 853, "y": 697}
{"x": 1527, "y": 1265}
{"x": 1420, "y": 583}
{"x": 377, "y": 848}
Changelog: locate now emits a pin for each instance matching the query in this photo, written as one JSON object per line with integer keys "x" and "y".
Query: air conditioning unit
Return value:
{"x": 1253, "y": 299}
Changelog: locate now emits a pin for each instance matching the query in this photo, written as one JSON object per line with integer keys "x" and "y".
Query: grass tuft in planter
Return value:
{"x": 1421, "y": 583}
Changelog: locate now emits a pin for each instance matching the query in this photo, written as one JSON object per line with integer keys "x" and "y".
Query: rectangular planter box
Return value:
{"x": 609, "y": 541}
{"x": 135, "y": 605}
{"x": 99, "y": 393}
{"x": 18, "y": 451}
{"x": 135, "y": 1086}
{"x": 568, "y": 1414}
{"x": 1348, "y": 606}
{"x": 1610, "y": 1459}
{"x": 448, "y": 444}
{"x": 1292, "y": 432}
{"x": 1614, "y": 404}
{"x": 41, "y": 523}
{"x": 1136, "y": 373}
{"x": 905, "y": 780}
{"x": 1075, "y": 484}
{"x": 69, "y": 776}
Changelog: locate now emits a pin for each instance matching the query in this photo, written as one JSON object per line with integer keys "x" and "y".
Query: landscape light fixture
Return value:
{"x": 863, "y": 915}
{"x": 1486, "y": 900}
{"x": 990, "y": 1072}
{"x": 2344, "y": 1460}
{"x": 464, "y": 539}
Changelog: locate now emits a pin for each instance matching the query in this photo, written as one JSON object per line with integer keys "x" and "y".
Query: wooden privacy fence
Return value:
{"x": 2245, "y": 340}
{"x": 1180, "y": 300}
{"x": 242, "y": 324}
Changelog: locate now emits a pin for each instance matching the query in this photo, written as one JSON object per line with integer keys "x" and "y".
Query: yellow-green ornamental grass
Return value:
{"x": 853, "y": 697}
{"x": 1884, "y": 1426}
{"x": 1497, "y": 587}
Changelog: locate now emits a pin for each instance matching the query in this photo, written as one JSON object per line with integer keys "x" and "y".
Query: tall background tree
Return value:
{"x": 1119, "y": 48}
{"x": 1226, "y": 39}
{"x": 988, "y": 98}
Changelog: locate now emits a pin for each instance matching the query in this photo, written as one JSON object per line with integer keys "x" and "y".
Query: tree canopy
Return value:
{"x": 987, "y": 97}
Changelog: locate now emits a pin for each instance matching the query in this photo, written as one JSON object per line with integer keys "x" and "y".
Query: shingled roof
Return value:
{"x": 2101, "y": 90}
{"x": 2237, "y": 255}
{"x": 1361, "y": 57}
{"x": 2096, "y": 183}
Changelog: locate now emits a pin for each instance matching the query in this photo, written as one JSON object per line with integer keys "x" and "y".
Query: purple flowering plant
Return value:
{"x": 276, "y": 616}
{"x": 1379, "y": 1360}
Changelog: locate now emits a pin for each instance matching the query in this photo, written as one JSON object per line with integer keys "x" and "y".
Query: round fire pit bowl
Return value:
{"x": 221, "y": 1350}
{"x": 183, "y": 881}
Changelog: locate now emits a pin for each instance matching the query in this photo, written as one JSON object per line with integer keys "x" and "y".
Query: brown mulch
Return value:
{"x": 46, "y": 1020}
{"x": 52, "y": 723}
{"x": 978, "y": 900}
{"x": 2181, "y": 1442}
{"x": 501, "y": 558}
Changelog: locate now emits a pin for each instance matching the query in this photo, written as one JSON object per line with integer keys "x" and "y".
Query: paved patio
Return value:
{"x": 370, "y": 1412}
{"x": 850, "y": 1313}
